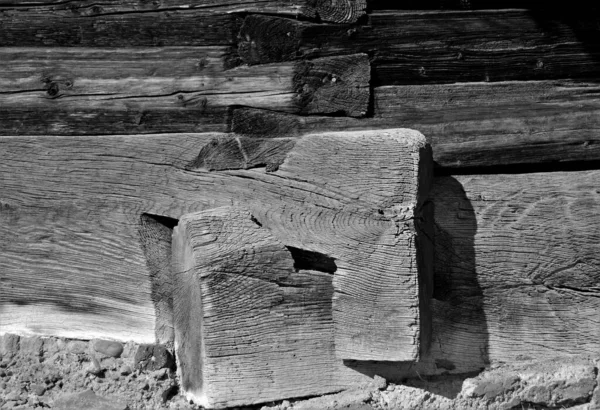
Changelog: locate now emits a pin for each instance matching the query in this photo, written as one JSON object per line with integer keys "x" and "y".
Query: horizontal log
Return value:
{"x": 180, "y": 89}
{"x": 468, "y": 124}
{"x": 114, "y": 24}
{"x": 439, "y": 46}
{"x": 141, "y": 24}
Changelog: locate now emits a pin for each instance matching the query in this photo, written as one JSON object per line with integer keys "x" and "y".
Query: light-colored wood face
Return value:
{"x": 78, "y": 211}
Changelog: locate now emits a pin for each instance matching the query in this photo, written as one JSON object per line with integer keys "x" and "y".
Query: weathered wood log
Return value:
{"x": 120, "y": 24}
{"x": 144, "y": 90}
{"x": 141, "y": 23}
{"x": 439, "y": 46}
{"x": 250, "y": 327}
{"x": 468, "y": 124}
{"x": 73, "y": 219}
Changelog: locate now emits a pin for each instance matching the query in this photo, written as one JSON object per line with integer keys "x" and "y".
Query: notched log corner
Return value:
{"x": 228, "y": 153}
{"x": 155, "y": 233}
{"x": 333, "y": 85}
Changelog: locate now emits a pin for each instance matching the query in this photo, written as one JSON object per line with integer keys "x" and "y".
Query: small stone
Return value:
{"x": 32, "y": 346}
{"x": 9, "y": 345}
{"x": 94, "y": 367}
{"x": 38, "y": 389}
{"x": 77, "y": 347}
{"x": 152, "y": 357}
{"x": 159, "y": 374}
{"x": 379, "y": 382}
{"x": 108, "y": 348}
{"x": 12, "y": 396}
{"x": 125, "y": 370}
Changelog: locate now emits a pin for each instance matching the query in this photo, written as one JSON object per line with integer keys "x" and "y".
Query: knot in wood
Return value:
{"x": 52, "y": 89}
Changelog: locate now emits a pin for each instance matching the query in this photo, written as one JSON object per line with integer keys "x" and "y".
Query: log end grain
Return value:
{"x": 333, "y": 85}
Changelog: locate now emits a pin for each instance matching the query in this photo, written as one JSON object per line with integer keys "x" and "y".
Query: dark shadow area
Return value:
{"x": 476, "y": 5}
{"x": 308, "y": 260}
{"x": 580, "y": 17}
{"x": 459, "y": 345}
{"x": 155, "y": 233}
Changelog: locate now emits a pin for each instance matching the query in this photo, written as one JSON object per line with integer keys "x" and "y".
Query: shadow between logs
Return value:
{"x": 459, "y": 343}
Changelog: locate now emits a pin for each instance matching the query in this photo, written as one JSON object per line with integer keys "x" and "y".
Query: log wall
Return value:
{"x": 503, "y": 90}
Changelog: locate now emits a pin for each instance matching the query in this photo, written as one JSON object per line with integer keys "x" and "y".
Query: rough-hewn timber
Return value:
{"x": 63, "y": 91}
{"x": 71, "y": 227}
{"x": 250, "y": 326}
{"x": 439, "y": 46}
{"x": 468, "y": 124}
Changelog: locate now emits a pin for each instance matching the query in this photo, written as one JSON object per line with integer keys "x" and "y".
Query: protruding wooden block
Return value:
{"x": 251, "y": 324}
{"x": 381, "y": 296}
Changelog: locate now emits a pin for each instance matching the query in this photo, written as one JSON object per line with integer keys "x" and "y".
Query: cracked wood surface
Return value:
{"x": 75, "y": 204}
{"x": 67, "y": 91}
{"x": 250, "y": 327}
{"x": 468, "y": 124}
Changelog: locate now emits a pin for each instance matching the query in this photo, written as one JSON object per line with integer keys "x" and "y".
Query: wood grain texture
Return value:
{"x": 141, "y": 23}
{"x": 71, "y": 209}
{"x": 115, "y": 24}
{"x": 250, "y": 327}
{"x": 468, "y": 124}
{"x": 155, "y": 234}
{"x": 66, "y": 91}
{"x": 421, "y": 47}
{"x": 369, "y": 296}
